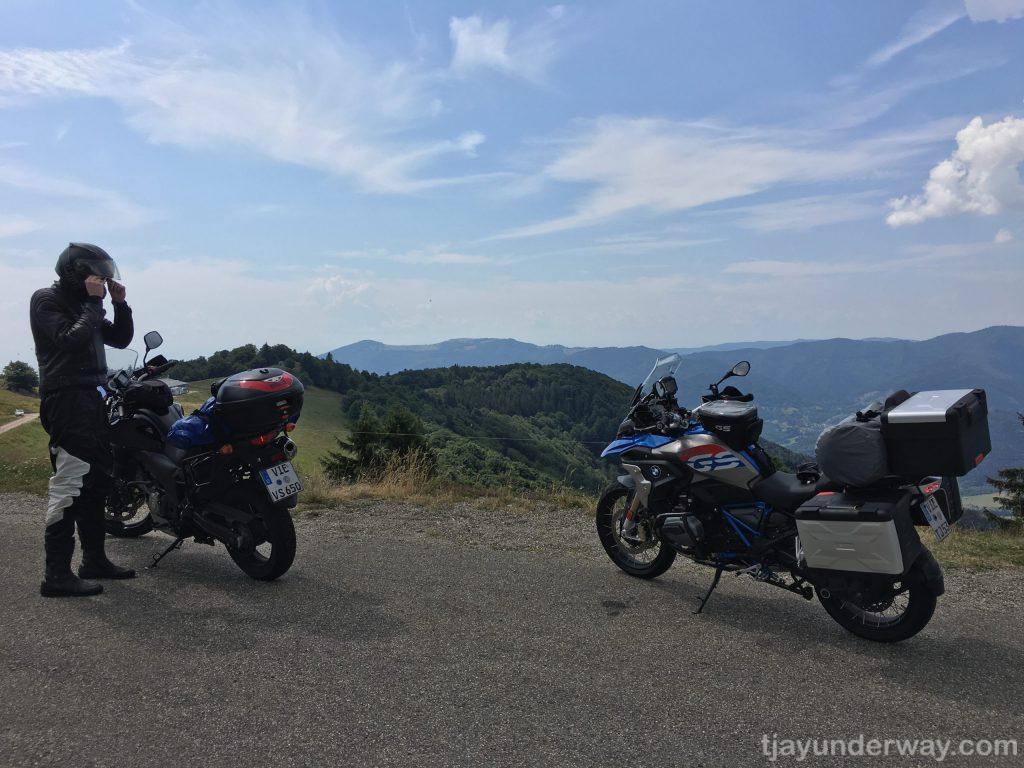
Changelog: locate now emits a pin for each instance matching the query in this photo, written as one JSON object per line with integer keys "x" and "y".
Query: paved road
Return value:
{"x": 397, "y": 641}
{"x": 26, "y": 419}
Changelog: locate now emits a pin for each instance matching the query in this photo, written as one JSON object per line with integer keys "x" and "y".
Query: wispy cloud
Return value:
{"x": 90, "y": 205}
{"x": 291, "y": 90}
{"x": 994, "y": 10}
{"x": 435, "y": 255}
{"x": 661, "y": 166}
{"x": 496, "y": 45}
{"x": 803, "y": 213}
{"x": 980, "y": 177}
{"x": 11, "y": 226}
{"x": 920, "y": 27}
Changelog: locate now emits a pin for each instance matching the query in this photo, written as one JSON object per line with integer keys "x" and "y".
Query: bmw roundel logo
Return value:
{"x": 654, "y": 472}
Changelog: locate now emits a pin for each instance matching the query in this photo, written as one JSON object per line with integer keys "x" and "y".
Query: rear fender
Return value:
{"x": 929, "y": 570}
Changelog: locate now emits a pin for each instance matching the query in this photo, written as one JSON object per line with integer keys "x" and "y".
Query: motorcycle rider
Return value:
{"x": 69, "y": 327}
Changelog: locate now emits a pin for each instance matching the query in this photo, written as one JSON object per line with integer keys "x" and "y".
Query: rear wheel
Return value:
{"x": 639, "y": 553}
{"x": 891, "y": 617}
{"x": 272, "y": 549}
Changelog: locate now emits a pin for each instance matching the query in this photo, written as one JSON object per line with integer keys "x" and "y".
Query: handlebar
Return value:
{"x": 154, "y": 370}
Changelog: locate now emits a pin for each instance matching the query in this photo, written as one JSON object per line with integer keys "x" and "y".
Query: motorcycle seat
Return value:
{"x": 785, "y": 491}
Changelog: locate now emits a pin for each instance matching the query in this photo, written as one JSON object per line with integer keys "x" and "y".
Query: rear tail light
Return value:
{"x": 263, "y": 439}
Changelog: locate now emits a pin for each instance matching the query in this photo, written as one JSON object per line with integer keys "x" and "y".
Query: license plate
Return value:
{"x": 281, "y": 481}
{"x": 937, "y": 520}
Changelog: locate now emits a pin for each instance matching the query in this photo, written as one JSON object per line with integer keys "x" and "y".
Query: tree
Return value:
{"x": 1010, "y": 483}
{"x": 20, "y": 377}
{"x": 373, "y": 444}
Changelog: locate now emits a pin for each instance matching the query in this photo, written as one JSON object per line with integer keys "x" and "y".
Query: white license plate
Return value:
{"x": 937, "y": 520}
{"x": 281, "y": 481}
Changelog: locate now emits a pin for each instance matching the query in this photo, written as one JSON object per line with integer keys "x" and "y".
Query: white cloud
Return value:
{"x": 662, "y": 166}
{"x": 1003, "y": 236}
{"x": 68, "y": 204}
{"x": 919, "y": 28}
{"x": 10, "y": 226}
{"x": 289, "y": 90}
{"x": 441, "y": 257}
{"x": 980, "y": 177}
{"x": 479, "y": 44}
{"x": 994, "y": 10}
{"x": 805, "y": 213}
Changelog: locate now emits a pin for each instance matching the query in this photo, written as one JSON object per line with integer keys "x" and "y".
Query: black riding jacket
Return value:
{"x": 69, "y": 333}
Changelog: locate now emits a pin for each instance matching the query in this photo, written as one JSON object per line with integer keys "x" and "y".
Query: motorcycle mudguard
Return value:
{"x": 626, "y": 481}
{"x": 932, "y": 572}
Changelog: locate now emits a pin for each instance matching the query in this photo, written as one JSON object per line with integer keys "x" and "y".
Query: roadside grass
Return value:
{"x": 979, "y": 550}
{"x": 24, "y": 460}
{"x": 10, "y": 401}
{"x": 408, "y": 481}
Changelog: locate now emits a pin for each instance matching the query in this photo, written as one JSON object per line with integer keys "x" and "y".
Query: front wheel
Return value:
{"x": 641, "y": 553}
{"x": 127, "y": 514}
{"x": 892, "y": 617}
{"x": 273, "y": 542}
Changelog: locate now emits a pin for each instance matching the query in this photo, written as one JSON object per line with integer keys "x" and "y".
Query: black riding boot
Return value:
{"x": 95, "y": 563}
{"x": 59, "y": 581}
{"x": 63, "y": 583}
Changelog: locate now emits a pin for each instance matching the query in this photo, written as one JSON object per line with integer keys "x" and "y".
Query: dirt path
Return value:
{"x": 28, "y": 417}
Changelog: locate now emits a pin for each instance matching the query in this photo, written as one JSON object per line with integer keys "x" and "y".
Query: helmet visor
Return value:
{"x": 105, "y": 268}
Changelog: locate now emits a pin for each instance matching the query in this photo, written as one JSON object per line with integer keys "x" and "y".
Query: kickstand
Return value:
{"x": 176, "y": 544}
{"x": 714, "y": 583}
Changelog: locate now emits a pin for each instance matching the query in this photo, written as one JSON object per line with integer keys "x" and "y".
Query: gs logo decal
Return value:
{"x": 711, "y": 458}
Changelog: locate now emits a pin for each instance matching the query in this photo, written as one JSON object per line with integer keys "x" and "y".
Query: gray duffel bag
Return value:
{"x": 853, "y": 452}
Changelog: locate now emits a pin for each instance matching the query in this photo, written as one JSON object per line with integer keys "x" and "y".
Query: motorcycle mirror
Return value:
{"x": 740, "y": 369}
{"x": 153, "y": 340}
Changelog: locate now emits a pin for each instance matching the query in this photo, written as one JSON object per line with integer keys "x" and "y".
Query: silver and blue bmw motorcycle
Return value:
{"x": 697, "y": 483}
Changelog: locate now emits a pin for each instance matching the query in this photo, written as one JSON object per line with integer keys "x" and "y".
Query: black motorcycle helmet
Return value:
{"x": 79, "y": 261}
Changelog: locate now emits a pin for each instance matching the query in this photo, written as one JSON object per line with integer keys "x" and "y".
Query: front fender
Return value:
{"x": 626, "y": 481}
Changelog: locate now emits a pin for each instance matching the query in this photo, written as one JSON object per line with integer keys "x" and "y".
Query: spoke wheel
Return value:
{"x": 638, "y": 552}
{"x": 889, "y": 619}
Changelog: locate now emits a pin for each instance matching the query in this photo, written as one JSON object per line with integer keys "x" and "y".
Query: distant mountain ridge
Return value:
{"x": 619, "y": 363}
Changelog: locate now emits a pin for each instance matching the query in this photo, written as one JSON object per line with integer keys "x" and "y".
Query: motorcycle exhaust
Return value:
{"x": 288, "y": 446}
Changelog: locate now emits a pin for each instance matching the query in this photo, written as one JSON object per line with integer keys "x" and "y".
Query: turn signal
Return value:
{"x": 289, "y": 427}
{"x": 226, "y": 449}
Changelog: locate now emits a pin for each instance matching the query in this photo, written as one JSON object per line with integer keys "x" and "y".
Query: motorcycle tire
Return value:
{"x": 610, "y": 508}
{"x": 877, "y": 626}
{"x": 274, "y": 555}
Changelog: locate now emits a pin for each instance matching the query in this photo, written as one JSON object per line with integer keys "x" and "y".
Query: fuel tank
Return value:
{"x": 710, "y": 458}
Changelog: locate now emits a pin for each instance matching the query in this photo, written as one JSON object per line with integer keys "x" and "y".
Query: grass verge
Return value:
{"x": 979, "y": 549}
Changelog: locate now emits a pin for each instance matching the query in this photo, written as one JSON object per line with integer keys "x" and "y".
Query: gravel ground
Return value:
{"x": 471, "y": 636}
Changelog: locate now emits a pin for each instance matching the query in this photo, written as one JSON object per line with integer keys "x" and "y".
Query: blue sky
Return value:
{"x": 608, "y": 173}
